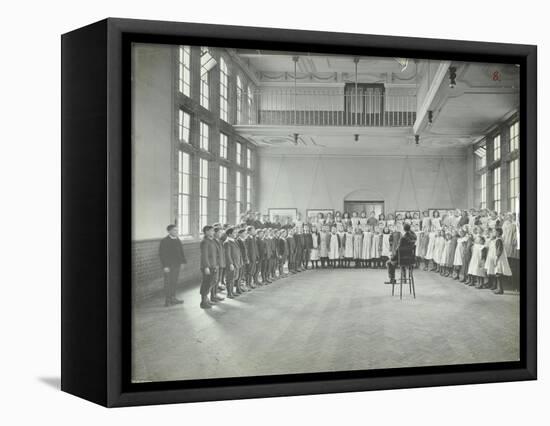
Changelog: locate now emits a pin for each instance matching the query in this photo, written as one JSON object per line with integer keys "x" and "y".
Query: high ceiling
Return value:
{"x": 483, "y": 95}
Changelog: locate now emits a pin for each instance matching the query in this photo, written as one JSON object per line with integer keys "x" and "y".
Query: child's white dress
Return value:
{"x": 476, "y": 262}
{"x": 367, "y": 243}
{"x": 333, "y": 252}
{"x": 314, "y": 255}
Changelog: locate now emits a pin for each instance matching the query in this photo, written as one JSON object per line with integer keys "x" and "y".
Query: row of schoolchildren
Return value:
{"x": 479, "y": 256}
{"x": 242, "y": 258}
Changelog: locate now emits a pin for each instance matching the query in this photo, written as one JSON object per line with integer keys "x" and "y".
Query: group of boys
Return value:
{"x": 242, "y": 258}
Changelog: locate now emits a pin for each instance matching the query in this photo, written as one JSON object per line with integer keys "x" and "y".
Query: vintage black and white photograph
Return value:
{"x": 305, "y": 212}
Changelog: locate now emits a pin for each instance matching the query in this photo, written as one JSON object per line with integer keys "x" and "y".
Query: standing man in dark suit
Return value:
{"x": 209, "y": 265}
{"x": 171, "y": 258}
{"x": 252, "y": 249}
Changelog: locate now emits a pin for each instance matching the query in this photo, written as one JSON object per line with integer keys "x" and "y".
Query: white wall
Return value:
{"x": 152, "y": 126}
{"x": 438, "y": 182}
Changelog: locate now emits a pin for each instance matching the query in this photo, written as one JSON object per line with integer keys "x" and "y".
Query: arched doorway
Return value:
{"x": 364, "y": 199}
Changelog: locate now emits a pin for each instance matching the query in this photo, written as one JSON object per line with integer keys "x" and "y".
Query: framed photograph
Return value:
{"x": 175, "y": 136}
{"x": 311, "y": 214}
{"x": 282, "y": 216}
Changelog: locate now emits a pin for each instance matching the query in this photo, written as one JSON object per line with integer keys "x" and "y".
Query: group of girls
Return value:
{"x": 476, "y": 248}
{"x": 478, "y": 253}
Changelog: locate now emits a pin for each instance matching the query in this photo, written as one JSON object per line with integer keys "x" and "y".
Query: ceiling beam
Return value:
{"x": 422, "y": 112}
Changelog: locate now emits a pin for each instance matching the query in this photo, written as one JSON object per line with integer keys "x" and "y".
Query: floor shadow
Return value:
{"x": 54, "y": 382}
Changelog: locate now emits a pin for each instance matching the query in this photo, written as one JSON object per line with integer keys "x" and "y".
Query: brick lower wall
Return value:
{"x": 147, "y": 278}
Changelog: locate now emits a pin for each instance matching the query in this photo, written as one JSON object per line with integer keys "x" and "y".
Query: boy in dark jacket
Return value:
{"x": 210, "y": 263}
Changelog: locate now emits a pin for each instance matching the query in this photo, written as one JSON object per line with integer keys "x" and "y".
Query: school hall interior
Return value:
{"x": 218, "y": 132}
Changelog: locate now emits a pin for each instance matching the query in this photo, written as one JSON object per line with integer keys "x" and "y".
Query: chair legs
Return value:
{"x": 407, "y": 277}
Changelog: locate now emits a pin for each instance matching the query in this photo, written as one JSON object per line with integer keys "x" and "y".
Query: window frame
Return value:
{"x": 497, "y": 189}
{"x": 184, "y": 67}
{"x": 224, "y": 90}
{"x": 182, "y": 195}
{"x": 204, "y": 136}
{"x": 204, "y": 190}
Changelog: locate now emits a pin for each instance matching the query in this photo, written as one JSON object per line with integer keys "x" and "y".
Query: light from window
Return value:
{"x": 238, "y": 153}
{"x": 483, "y": 191}
{"x": 224, "y": 78}
{"x": 514, "y": 185}
{"x": 239, "y": 100}
{"x": 203, "y": 194}
{"x": 248, "y": 193}
{"x": 514, "y": 136}
{"x": 496, "y": 189}
{"x": 207, "y": 63}
{"x": 496, "y": 145}
{"x": 238, "y": 195}
{"x": 248, "y": 158}
{"x": 184, "y": 61}
{"x": 184, "y": 126}
{"x": 204, "y": 133}
{"x": 481, "y": 157}
{"x": 223, "y": 145}
{"x": 223, "y": 195}
{"x": 250, "y": 99}
{"x": 184, "y": 177}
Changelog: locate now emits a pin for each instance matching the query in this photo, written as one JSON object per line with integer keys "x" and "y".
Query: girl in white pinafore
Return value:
{"x": 444, "y": 254}
{"x": 459, "y": 254}
{"x": 348, "y": 252}
{"x": 432, "y": 234}
{"x": 438, "y": 249}
{"x": 333, "y": 248}
{"x": 367, "y": 247}
{"x": 476, "y": 268}
{"x": 497, "y": 262}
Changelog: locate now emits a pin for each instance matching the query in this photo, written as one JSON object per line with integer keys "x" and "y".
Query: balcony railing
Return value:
{"x": 307, "y": 107}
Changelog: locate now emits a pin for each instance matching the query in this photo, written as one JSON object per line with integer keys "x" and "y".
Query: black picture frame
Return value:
{"x": 96, "y": 279}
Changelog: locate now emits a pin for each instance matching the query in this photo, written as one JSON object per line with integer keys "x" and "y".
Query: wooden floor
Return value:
{"x": 324, "y": 320}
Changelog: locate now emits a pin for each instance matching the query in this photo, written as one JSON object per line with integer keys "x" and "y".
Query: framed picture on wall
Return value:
{"x": 175, "y": 134}
{"x": 282, "y": 216}
{"x": 312, "y": 214}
